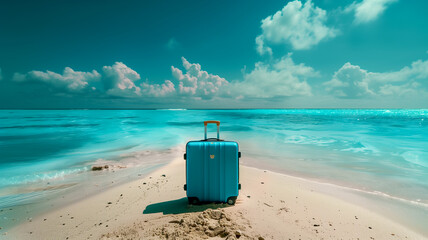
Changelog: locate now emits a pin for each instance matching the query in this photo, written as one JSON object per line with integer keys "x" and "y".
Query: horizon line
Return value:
{"x": 212, "y": 108}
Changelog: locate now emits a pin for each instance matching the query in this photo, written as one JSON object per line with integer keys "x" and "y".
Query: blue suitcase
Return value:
{"x": 212, "y": 169}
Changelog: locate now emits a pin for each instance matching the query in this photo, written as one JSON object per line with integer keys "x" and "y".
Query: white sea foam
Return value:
{"x": 416, "y": 157}
{"x": 302, "y": 139}
{"x": 38, "y": 177}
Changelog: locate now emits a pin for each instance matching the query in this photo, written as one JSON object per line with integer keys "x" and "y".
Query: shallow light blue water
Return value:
{"x": 382, "y": 151}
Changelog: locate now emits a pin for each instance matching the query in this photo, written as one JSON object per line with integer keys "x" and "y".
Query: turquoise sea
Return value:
{"x": 379, "y": 152}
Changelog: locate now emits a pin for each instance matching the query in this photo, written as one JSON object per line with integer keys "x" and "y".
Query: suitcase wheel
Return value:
{"x": 193, "y": 200}
{"x": 185, "y": 156}
{"x": 185, "y": 187}
{"x": 231, "y": 200}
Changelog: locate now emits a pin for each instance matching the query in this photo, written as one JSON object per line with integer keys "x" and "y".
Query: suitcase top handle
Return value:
{"x": 218, "y": 128}
{"x": 212, "y": 121}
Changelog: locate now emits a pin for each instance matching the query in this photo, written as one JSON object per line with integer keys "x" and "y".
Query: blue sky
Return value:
{"x": 214, "y": 54}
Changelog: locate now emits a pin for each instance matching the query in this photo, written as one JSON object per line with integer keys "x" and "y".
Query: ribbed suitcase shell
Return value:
{"x": 212, "y": 170}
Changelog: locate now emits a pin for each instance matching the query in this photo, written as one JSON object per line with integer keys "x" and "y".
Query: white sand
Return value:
{"x": 270, "y": 206}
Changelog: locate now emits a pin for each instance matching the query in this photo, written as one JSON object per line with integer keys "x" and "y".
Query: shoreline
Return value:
{"x": 369, "y": 200}
{"x": 45, "y": 196}
{"x": 343, "y": 186}
{"x": 161, "y": 190}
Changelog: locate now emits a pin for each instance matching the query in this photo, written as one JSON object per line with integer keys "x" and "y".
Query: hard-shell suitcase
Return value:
{"x": 212, "y": 169}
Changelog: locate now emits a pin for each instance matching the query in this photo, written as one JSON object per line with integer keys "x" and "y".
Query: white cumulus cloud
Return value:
{"x": 69, "y": 80}
{"x": 262, "y": 49}
{"x": 280, "y": 78}
{"x": 368, "y": 10}
{"x": 158, "y": 90}
{"x": 301, "y": 25}
{"x": 399, "y": 90}
{"x": 283, "y": 78}
{"x": 351, "y": 81}
{"x": 119, "y": 80}
{"x": 197, "y": 83}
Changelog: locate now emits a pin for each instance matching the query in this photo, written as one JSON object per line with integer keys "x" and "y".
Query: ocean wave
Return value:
{"x": 136, "y": 122}
{"x": 39, "y": 177}
{"x": 303, "y": 139}
{"x": 185, "y": 123}
{"x": 68, "y": 125}
{"x": 127, "y": 117}
{"x": 337, "y": 144}
{"x": 237, "y": 128}
{"x": 358, "y": 147}
{"x": 416, "y": 157}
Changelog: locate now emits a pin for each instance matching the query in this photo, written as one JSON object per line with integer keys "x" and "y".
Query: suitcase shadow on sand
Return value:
{"x": 180, "y": 206}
